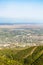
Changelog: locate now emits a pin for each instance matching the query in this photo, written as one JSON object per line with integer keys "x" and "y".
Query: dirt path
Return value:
{"x": 31, "y": 52}
{"x": 40, "y": 53}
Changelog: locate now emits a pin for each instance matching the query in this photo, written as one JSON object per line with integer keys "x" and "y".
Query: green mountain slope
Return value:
{"x": 36, "y": 55}
{"x": 29, "y": 56}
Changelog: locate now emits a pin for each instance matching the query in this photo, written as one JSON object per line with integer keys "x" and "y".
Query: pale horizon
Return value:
{"x": 21, "y": 11}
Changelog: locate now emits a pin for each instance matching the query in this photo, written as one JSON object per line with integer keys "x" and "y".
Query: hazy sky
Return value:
{"x": 21, "y": 11}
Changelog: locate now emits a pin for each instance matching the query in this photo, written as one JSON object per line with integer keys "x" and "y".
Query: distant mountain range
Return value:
{"x": 6, "y": 23}
{"x": 17, "y": 23}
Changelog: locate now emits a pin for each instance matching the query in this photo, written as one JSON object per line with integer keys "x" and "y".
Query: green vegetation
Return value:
{"x": 27, "y": 56}
{"x": 35, "y": 57}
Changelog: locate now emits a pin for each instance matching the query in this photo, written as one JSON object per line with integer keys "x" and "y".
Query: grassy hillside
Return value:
{"x": 35, "y": 56}
{"x": 27, "y": 56}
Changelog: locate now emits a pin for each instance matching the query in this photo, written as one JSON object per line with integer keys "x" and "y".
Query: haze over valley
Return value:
{"x": 21, "y": 35}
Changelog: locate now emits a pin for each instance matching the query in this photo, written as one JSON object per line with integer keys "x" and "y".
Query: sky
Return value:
{"x": 21, "y": 11}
